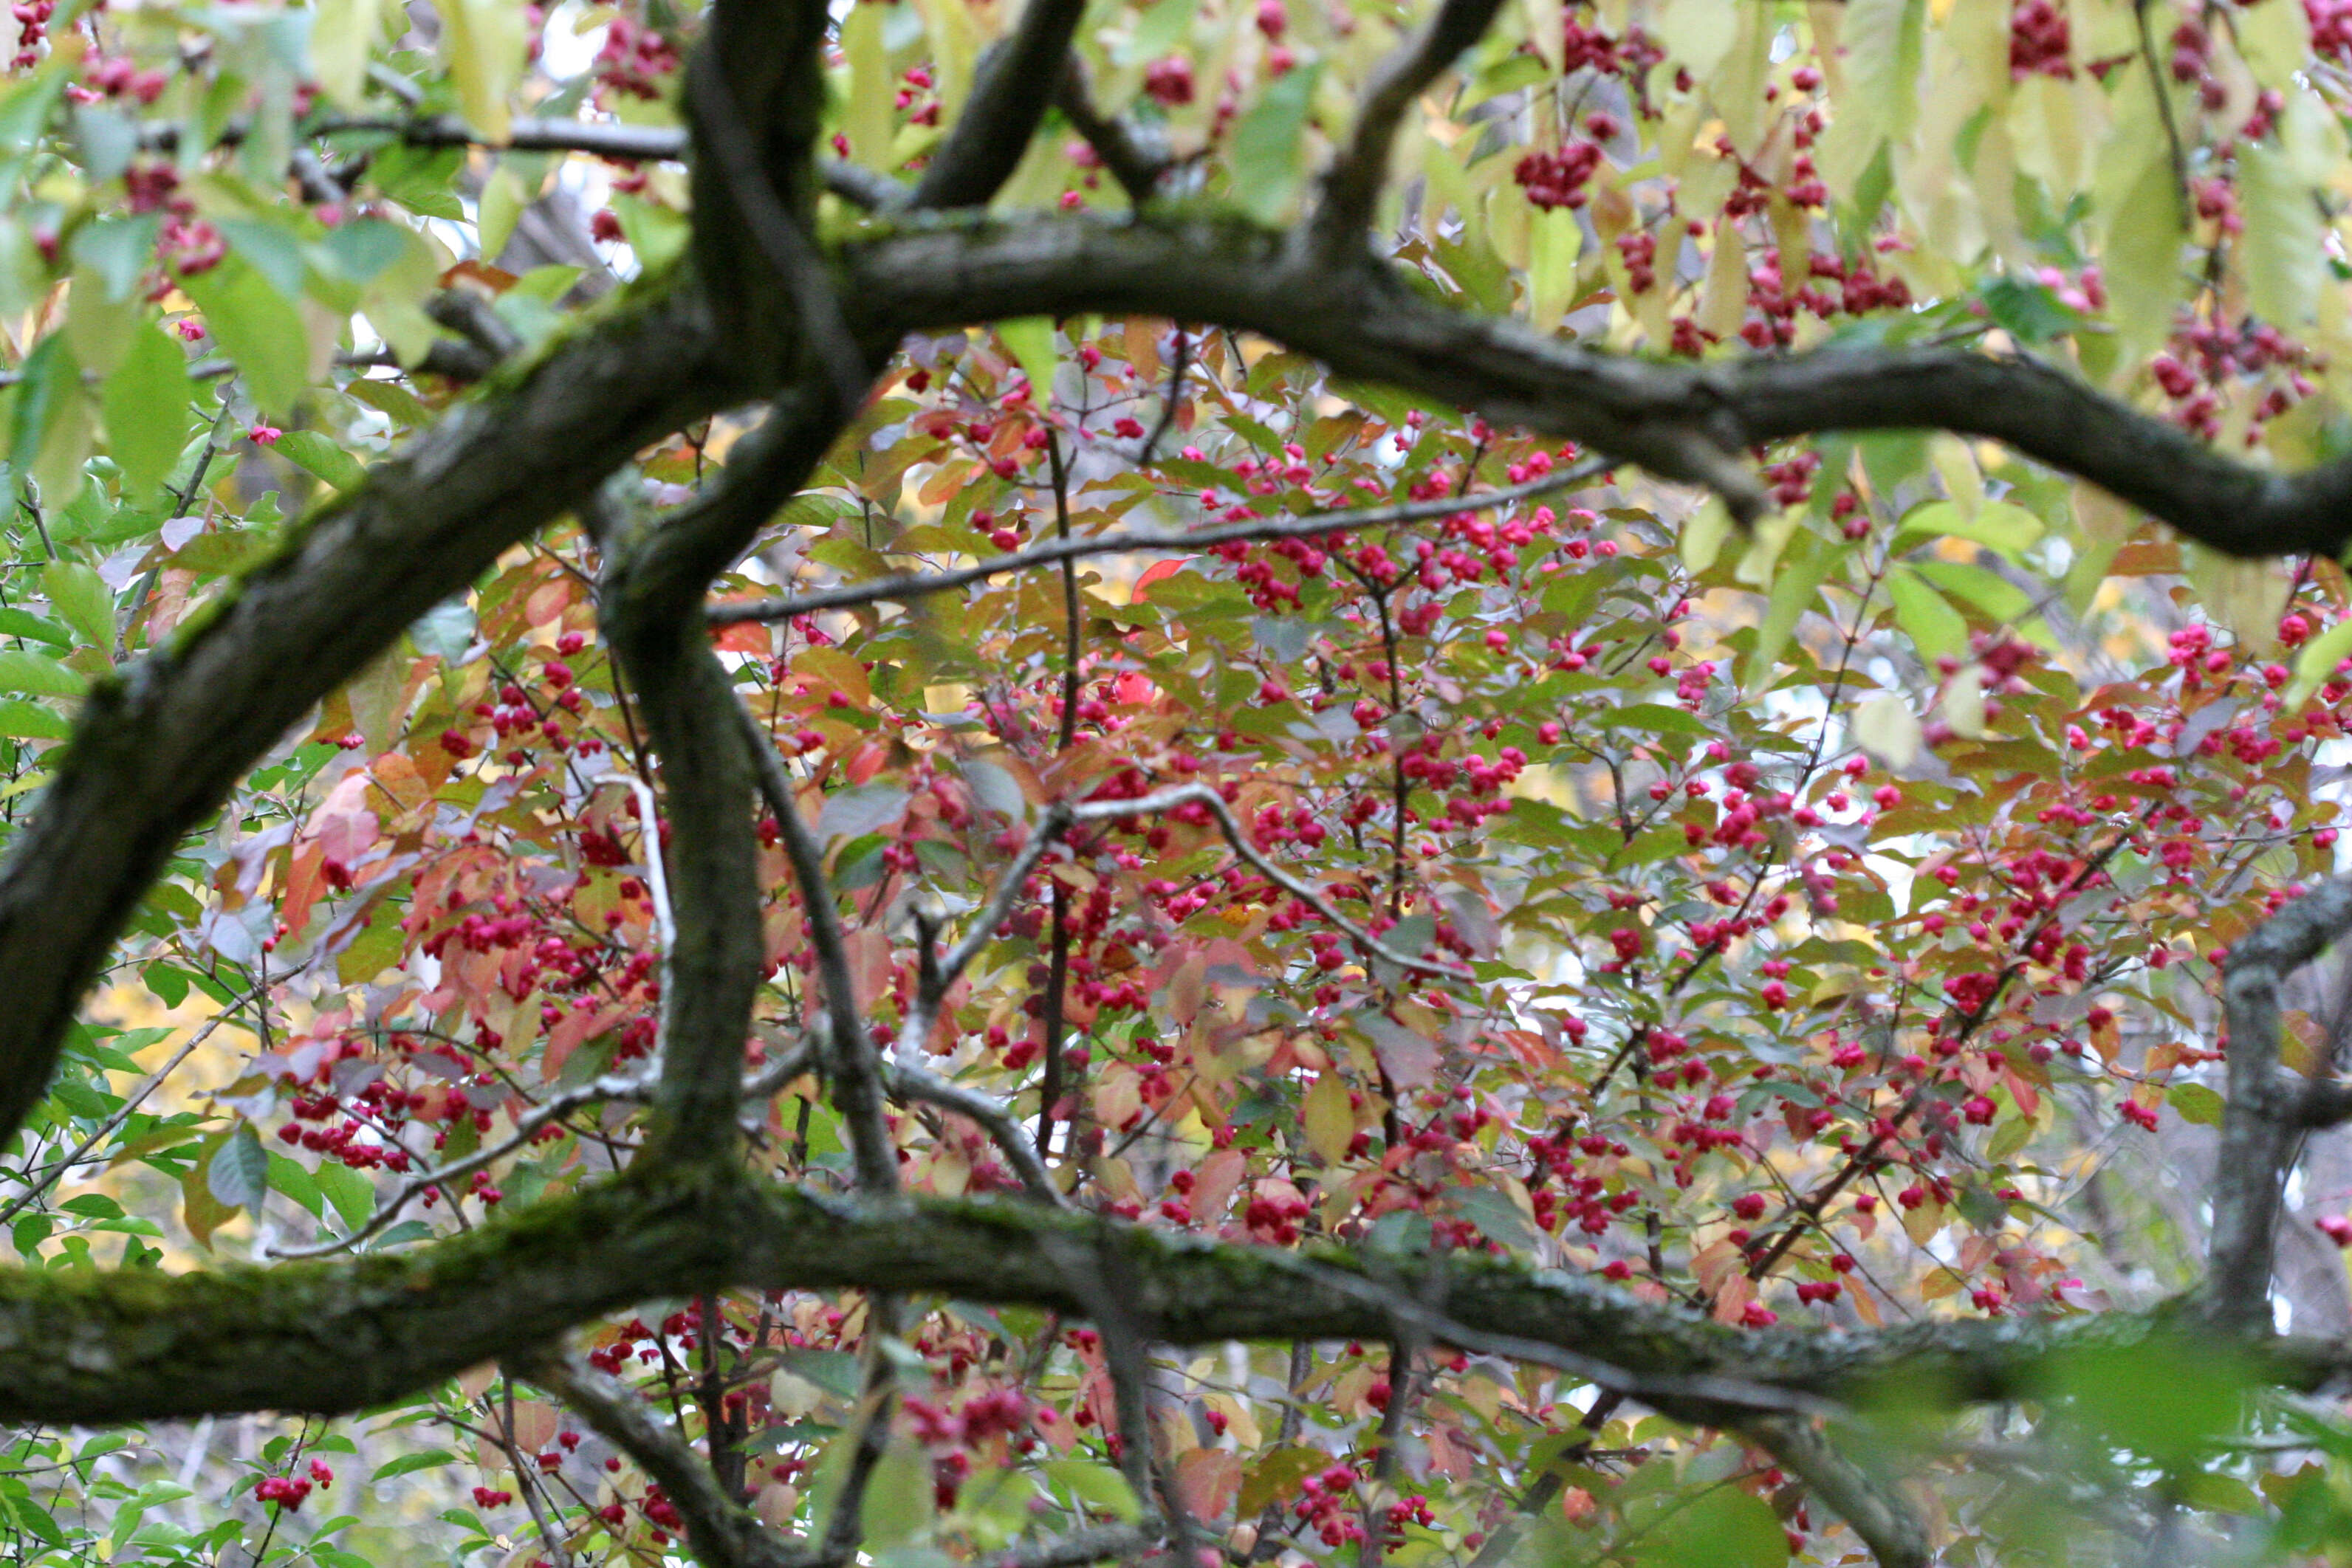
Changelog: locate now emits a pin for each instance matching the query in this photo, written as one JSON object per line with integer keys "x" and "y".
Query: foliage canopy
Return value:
{"x": 938, "y": 782}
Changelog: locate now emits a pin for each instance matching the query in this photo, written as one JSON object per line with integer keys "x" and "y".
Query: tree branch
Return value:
{"x": 1155, "y": 541}
{"x": 1682, "y": 421}
{"x": 349, "y": 1334}
{"x": 1002, "y": 116}
{"x": 1135, "y": 163}
{"x": 1351, "y": 188}
{"x": 1869, "y": 1504}
{"x": 846, "y": 1056}
{"x": 2263, "y": 1123}
{"x": 716, "y": 962}
{"x": 723, "y": 1533}
{"x": 156, "y": 749}
{"x": 1210, "y": 801}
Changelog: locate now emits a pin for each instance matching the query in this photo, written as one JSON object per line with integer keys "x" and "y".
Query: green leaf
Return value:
{"x": 409, "y": 1464}
{"x": 30, "y": 721}
{"x": 2001, "y": 526}
{"x": 2195, "y": 1102}
{"x": 296, "y": 1182}
{"x": 1097, "y": 1487}
{"x": 258, "y": 327}
{"x": 82, "y": 596}
{"x": 145, "y": 404}
{"x": 2167, "y": 1397}
{"x": 38, "y": 675}
{"x": 351, "y": 1193}
{"x": 1935, "y": 628}
{"x": 1803, "y": 568}
{"x": 340, "y": 40}
{"x": 2030, "y": 312}
{"x": 47, "y": 382}
{"x": 15, "y": 622}
{"x": 485, "y": 42}
{"x": 2002, "y": 601}
{"x": 2140, "y": 261}
{"x": 1031, "y": 339}
{"x": 898, "y": 1496}
{"x": 2315, "y": 665}
{"x": 1723, "y": 1527}
{"x": 2283, "y": 258}
{"x": 238, "y": 1173}
{"x": 316, "y": 453}
{"x": 1269, "y": 150}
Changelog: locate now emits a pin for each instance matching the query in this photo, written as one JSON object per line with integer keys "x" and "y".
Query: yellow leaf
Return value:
{"x": 485, "y": 44}
{"x": 500, "y": 208}
{"x": 2246, "y": 596}
{"x": 1330, "y": 1119}
{"x": 1723, "y": 297}
{"x": 872, "y": 91}
{"x": 1885, "y": 727}
{"x": 1703, "y": 535}
{"x": 1698, "y": 32}
{"x": 1964, "y": 703}
{"x": 340, "y": 36}
{"x": 2280, "y": 252}
{"x": 1546, "y": 31}
{"x": 1554, "y": 238}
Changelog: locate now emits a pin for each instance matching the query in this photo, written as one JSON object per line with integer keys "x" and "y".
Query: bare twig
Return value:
{"x": 847, "y": 1056}
{"x": 910, "y": 1083}
{"x": 915, "y": 584}
{"x": 1202, "y": 795}
{"x": 650, "y": 832}
{"x": 122, "y": 1114}
{"x": 613, "y": 1087}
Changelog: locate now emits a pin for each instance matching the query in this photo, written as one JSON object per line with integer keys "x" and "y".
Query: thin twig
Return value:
{"x": 915, "y": 584}
{"x": 121, "y": 1114}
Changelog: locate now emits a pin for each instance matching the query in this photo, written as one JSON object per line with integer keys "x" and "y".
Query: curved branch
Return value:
{"x": 723, "y": 1533}
{"x": 716, "y": 960}
{"x": 156, "y": 750}
{"x": 1133, "y": 157}
{"x": 1869, "y": 1504}
{"x": 1682, "y": 421}
{"x": 1351, "y": 188}
{"x": 1002, "y": 116}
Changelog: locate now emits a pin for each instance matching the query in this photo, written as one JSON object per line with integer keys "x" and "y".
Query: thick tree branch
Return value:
{"x": 754, "y": 99}
{"x": 1007, "y": 104}
{"x": 1682, "y": 421}
{"x": 653, "y": 582}
{"x": 1351, "y": 188}
{"x": 2263, "y": 1123}
{"x": 778, "y": 233}
{"x": 723, "y": 1533}
{"x": 349, "y": 1334}
{"x": 157, "y": 750}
